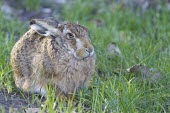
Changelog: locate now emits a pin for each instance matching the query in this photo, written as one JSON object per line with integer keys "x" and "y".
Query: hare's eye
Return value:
{"x": 70, "y": 36}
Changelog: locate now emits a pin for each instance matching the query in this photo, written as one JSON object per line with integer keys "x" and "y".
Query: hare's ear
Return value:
{"x": 43, "y": 28}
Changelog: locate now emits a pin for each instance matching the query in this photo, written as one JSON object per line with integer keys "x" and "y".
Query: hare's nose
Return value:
{"x": 89, "y": 50}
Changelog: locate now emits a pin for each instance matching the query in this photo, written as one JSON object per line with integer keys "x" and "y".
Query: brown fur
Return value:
{"x": 39, "y": 60}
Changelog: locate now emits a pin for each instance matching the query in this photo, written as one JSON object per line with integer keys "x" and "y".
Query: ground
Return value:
{"x": 17, "y": 101}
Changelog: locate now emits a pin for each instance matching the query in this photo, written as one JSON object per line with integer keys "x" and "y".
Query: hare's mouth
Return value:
{"x": 80, "y": 54}
{"x": 83, "y": 56}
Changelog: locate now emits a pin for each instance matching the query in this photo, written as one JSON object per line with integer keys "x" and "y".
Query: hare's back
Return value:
{"x": 28, "y": 44}
{"x": 24, "y": 51}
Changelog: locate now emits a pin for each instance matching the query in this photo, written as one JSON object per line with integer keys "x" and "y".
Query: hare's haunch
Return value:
{"x": 54, "y": 53}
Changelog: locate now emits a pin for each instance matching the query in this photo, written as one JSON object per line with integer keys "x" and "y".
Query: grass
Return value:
{"x": 142, "y": 37}
{"x": 9, "y": 32}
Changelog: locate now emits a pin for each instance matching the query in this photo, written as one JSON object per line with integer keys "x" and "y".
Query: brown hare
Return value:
{"x": 54, "y": 53}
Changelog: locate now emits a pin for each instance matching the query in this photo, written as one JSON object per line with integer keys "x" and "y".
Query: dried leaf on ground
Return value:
{"x": 139, "y": 69}
{"x": 113, "y": 49}
{"x": 32, "y": 110}
{"x": 143, "y": 72}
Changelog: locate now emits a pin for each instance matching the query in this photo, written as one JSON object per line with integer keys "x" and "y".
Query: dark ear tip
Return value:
{"x": 32, "y": 22}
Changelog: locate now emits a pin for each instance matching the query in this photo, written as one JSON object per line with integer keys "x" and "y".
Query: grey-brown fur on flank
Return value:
{"x": 39, "y": 60}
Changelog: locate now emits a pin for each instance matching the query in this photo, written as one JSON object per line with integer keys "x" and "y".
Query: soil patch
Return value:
{"x": 18, "y": 101}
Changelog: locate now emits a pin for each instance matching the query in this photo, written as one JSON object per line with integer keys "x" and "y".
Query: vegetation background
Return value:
{"x": 124, "y": 32}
